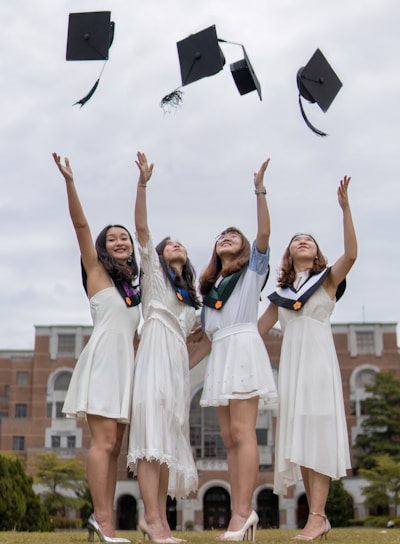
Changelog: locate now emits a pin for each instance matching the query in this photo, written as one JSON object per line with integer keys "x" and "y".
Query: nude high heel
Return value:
{"x": 327, "y": 528}
{"x": 146, "y": 533}
{"x": 248, "y": 530}
{"x": 93, "y": 527}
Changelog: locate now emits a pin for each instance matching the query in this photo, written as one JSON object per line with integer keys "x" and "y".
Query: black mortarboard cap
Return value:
{"x": 244, "y": 76}
{"x": 200, "y": 55}
{"x": 90, "y": 35}
{"x": 317, "y": 83}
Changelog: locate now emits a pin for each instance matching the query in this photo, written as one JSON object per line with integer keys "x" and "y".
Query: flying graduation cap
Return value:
{"x": 317, "y": 82}
{"x": 90, "y": 36}
{"x": 201, "y": 56}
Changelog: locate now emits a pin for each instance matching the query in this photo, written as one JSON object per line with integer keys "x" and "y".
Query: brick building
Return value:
{"x": 33, "y": 385}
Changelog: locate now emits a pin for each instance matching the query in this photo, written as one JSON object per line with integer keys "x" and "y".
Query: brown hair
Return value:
{"x": 287, "y": 274}
{"x": 214, "y": 268}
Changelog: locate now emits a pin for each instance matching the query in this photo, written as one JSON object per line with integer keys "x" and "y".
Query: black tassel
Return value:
{"x": 172, "y": 100}
{"x": 83, "y": 100}
{"x": 314, "y": 129}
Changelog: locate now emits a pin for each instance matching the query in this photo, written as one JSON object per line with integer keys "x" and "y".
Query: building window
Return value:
{"x": 21, "y": 410}
{"x": 262, "y": 437}
{"x": 71, "y": 442}
{"x": 66, "y": 344}
{"x": 7, "y": 391}
{"x": 22, "y": 378}
{"x": 365, "y": 342}
{"x": 59, "y": 412}
{"x": 205, "y": 435}
{"x": 18, "y": 443}
{"x": 55, "y": 441}
{"x": 62, "y": 380}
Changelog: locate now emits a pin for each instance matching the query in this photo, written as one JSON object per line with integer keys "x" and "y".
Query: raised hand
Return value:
{"x": 65, "y": 169}
{"x": 259, "y": 176}
{"x": 146, "y": 170}
{"x": 343, "y": 197}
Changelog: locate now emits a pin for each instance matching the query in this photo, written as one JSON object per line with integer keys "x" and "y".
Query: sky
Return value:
{"x": 205, "y": 152}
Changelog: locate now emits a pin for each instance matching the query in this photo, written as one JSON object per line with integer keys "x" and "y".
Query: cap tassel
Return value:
{"x": 314, "y": 129}
{"x": 85, "y": 99}
{"x": 172, "y": 100}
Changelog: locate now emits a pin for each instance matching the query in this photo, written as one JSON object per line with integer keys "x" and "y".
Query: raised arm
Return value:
{"x": 263, "y": 221}
{"x": 345, "y": 262}
{"x": 145, "y": 171}
{"x": 79, "y": 221}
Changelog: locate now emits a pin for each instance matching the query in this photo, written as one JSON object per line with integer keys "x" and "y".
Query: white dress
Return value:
{"x": 102, "y": 379}
{"x": 238, "y": 366}
{"x": 161, "y": 394}
{"x": 311, "y": 429}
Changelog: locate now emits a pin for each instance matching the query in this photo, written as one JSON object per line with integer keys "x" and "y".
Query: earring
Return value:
{"x": 130, "y": 259}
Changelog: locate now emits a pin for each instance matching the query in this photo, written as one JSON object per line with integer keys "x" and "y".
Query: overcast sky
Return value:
{"x": 206, "y": 152}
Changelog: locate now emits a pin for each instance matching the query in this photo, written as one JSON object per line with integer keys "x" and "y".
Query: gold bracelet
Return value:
{"x": 142, "y": 185}
{"x": 260, "y": 190}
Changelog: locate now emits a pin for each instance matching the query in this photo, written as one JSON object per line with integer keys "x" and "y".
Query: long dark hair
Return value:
{"x": 117, "y": 270}
{"x": 287, "y": 274}
{"x": 186, "y": 280}
{"x": 214, "y": 268}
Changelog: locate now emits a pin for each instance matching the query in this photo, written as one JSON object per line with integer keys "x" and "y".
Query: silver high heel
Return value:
{"x": 327, "y": 528}
{"x": 145, "y": 531}
{"x": 248, "y": 530}
{"x": 93, "y": 527}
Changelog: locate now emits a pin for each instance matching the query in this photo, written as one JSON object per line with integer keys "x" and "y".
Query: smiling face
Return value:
{"x": 228, "y": 243}
{"x": 174, "y": 252}
{"x": 303, "y": 247}
{"x": 118, "y": 243}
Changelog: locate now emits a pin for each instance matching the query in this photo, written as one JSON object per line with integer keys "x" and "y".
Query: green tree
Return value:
{"x": 381, "y": 426}
{"x": 339, "y": 506}
{"x": 384, "y": 488}
{"x": 64, "y": 482}
{"x": 20, "y": 507}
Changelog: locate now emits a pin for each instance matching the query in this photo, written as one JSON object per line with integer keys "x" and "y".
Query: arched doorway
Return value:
{"x": 216, "y": 508}
{"x": 127, "y": 513}
{"x": 171, "y": 512}
{"x": 268, "y": 509}
{"x": 302, "y": 511}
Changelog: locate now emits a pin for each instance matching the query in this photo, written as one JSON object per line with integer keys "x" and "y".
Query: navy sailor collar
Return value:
{"x": 289, "y": 298}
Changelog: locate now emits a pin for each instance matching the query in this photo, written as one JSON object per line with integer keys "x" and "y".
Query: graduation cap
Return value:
{"x": 201, "y": 56}
{"x": 317, "y": 82}
{"x": 90, "y": 36}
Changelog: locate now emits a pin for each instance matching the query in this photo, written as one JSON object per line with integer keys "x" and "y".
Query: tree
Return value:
{"x": 20, "y": 507}
{"x": 381, "y": 426}
{"x": 384, "y": 490}
{"x": 339, "y": 506}
{"x": 64, "y": 481}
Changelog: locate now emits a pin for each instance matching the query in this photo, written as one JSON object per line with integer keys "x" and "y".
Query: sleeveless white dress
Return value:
{"x": 311, "y": 428}
{"x": 159, "y": 428}
{"x": 102, "y": 379}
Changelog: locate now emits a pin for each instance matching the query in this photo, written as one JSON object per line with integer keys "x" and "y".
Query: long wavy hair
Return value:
{"x": 188, "y": 277}
{"x": 287, "y": 274}
{"x": 214, "y": 269}
{"x": 118, "y": 270}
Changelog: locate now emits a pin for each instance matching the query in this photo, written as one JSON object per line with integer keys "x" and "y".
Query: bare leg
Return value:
{"x": 106, "y": 436}
{"x": 162, "y": 496}
{"x": 238, "y": 424}
{"x": 317, "y": 495}
{"x": 149, "y": 477}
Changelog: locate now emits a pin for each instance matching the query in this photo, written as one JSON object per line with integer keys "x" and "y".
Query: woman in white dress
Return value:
{"x": 311, "y": 438}
{"x": 159, "y": 446}
{"x": 101, "y": 385}
{"x": 238, "y": 372}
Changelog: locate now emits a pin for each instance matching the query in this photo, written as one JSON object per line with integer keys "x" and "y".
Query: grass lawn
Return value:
{"x": 270, "y": 536}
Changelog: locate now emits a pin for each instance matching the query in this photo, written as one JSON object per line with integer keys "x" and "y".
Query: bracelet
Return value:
{"x": 142, "y": 185}
{"x": 260, "y": 190}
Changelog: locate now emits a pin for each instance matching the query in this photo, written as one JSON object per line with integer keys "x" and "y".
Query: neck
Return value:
{"x": 176, "y": 268}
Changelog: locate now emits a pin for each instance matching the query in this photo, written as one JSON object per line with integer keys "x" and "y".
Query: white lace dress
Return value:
{"x": 161, "y": 394}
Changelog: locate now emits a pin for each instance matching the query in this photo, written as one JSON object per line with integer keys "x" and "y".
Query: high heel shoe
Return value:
{"x": 327, "y": 528}
{"x": 146, "y": 533}
{"x": 248, "y": 530}
{"x": 93, "y": 527}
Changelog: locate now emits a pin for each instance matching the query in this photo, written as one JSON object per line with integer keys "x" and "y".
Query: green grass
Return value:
{"x": 270, "y": 536}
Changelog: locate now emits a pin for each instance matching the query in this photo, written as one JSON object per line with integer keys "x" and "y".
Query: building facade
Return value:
{"x": 33, "y": 386}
